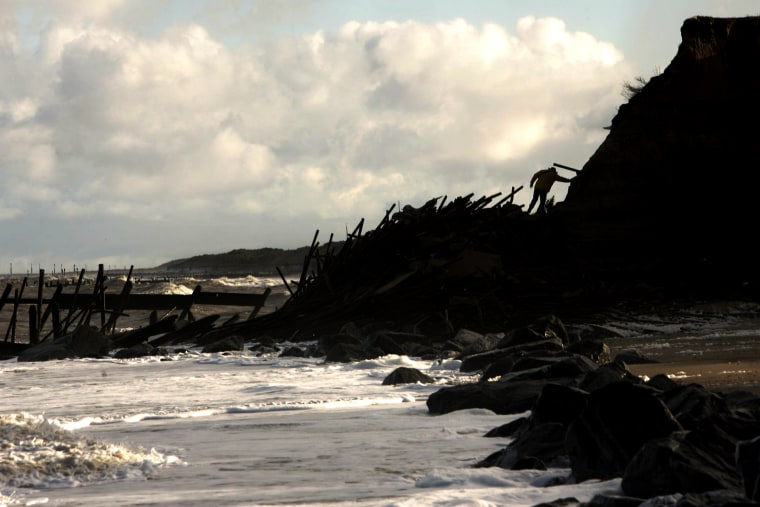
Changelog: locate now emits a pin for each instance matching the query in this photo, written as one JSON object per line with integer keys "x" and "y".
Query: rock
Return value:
{"x": 509, "y": 429}
{"x": 347, "y": 353}
{"x": 617, "y": 421}
{"x": 550, "y": 326}
{"x": 614, "y": 501}
{"x": 560, "y": 502}
{"x": 520, "y": 336}
{"x": 559, "y": 404}
{"x": 386, "y": 343}
{"x": 228, "y": 344}
{"x": 570, "y": 367}
{"x": 499, "y": 397}
{"x": 662, "y": 382}
{"x": 470, "y": 342}
{"x": 719, "y": 498}
{"x": 542, "y": 437}
{"x": 632, "y": 356}
{"x": 86, "y": 341}
{"x": 83, "y": 342}
{"x": 481, "y": 361}
{"x": 498, "y": 368}
{"x": 135, "y": 351}
{"x": 708, "y": 413}
{"x": 748, "y": 465}
{"x": 293, "y": 351}
{"x": 608, "y": 374}
{"x": 46, "y": 352}
{"x": 676, "y": 464}
{"x": 404, "y": 375}
{"x": 596, "y": 350}
{"x": 541, "y": 441}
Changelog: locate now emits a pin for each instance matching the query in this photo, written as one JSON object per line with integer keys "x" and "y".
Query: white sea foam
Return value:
{"x": 264, "y": 430}
{"x": 38, "y": 454}
{"x": 247, "y": 281}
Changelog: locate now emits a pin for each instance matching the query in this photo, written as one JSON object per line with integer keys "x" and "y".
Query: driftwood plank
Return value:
{"x": 186, "y": 333}
{"x": 139, "y": 335}
{"x": 160, "y": 301}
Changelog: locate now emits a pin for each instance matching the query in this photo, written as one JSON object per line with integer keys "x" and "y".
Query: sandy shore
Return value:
{"x": 719, "y": 362}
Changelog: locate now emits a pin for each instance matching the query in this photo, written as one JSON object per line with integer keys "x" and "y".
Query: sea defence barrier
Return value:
{"x": 55, "y": 315}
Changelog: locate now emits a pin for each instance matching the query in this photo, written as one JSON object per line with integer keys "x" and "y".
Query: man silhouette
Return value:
{"x": 543, "y": 180}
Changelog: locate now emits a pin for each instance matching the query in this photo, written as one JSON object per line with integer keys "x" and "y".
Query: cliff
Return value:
{"x": 677, "y": 177}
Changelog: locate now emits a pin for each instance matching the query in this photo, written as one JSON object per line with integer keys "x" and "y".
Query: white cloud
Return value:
{"x": 328, "y": 125}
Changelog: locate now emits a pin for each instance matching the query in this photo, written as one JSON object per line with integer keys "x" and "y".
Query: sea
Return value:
{"x": 252, "y": 429}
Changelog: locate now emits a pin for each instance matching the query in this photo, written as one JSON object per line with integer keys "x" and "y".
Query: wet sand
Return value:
{"x": 720, "y": 362}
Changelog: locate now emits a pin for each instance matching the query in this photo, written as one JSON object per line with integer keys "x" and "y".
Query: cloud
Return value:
{"x": 106, "y": 124}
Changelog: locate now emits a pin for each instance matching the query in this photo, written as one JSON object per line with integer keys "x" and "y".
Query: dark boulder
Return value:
{"x": 478, "y": 362}
{"x": 499, "y": 397}
{"x": 662, "y": 382}
{"x": 385, "y": 343}
{"x": 677, "y": 463}
{"x": 597, "y": 350}
{"x": 405, "y": 375}
{"x": 85, "y": 341}
{"x": 559, "y": 403}
{"x": 229, "y": 344}
{"x": 697, "y": 408}
{"x": 293, "y": 351}
{"x": 542, "y": 437}
{"x": 632, "y": 356}
{"x": 614, "y": 501}
{"x": 608, "y": 374}
{"x": 498, "y": 368}
{"x": 748, "y": 465}
{"x": 469, "y": 342}
{"x": 46, "y": 351}
{"x": 570, "y": 367}
{"x": 348, "y": 353}
{"x": 520, "y": 336}
{"x": 508, "y": 429}
{"x": 137, "y": 350}
{"x": 617, "y": 421}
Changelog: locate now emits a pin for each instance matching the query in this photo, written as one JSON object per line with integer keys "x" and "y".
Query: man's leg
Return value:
{"x": 533, "y": 201}
{"x": 542, "y": 204}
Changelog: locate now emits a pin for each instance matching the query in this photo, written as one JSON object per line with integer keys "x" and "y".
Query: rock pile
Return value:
{"x": 589, "y": 413}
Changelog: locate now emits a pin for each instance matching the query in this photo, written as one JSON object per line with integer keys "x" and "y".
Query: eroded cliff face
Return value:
{"x": 678, "y": 173}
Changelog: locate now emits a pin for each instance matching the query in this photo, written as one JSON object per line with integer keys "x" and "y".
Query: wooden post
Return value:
{"x": 6, "y": 293}
{"x": 67, "y": 320}
{"x": 567, "y": 167}
{"x": 187, "y": 312}
{"x": 116, "y": 311}
{"x": 34, "y": 330}
{"x": 51, "y": 307}
{"x": 287, "y": 285}
{"x": 34, "y": 322}
{"x": 12, "y": 325}
{"x": 256, "y": 309}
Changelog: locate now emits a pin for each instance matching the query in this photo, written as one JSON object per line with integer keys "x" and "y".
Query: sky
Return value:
{"x": 134, "y": 132}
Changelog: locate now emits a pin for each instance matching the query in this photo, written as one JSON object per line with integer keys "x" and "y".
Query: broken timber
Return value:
{"x": 156, "y": 301}
{"x": 80, "y": 307}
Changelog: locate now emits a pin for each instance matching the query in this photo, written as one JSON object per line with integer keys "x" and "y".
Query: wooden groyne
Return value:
{"x": 52, "y": 316}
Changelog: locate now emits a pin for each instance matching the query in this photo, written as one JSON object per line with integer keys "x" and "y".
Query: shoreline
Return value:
{"x": 717, "y": 361}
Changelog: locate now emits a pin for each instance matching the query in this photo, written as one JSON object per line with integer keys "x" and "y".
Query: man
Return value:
{"x": 543, "y": 180}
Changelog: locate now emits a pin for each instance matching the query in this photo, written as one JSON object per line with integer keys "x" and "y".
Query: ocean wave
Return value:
{"x": 36, "y": 453}
{"x": 246, "y": 281}
{"x": 163, "y": 288}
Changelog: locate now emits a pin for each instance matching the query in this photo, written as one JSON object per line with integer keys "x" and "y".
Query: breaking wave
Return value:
{"x": 36, "y": 453}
